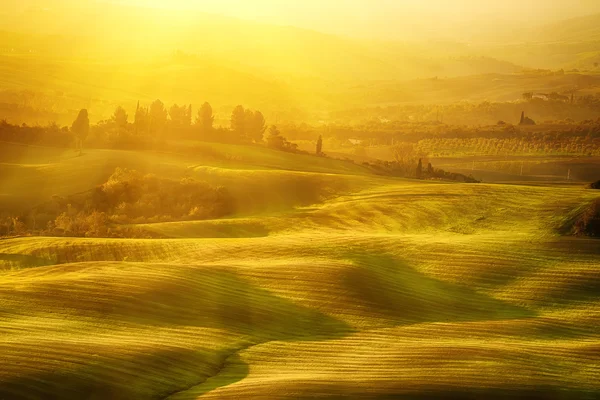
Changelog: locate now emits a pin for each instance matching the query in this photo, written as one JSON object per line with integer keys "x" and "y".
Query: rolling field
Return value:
{"x": 337, "y": 284}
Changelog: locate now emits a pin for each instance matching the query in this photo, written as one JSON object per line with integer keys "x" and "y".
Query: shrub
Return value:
{"x": 588, "y": 222}
{"x": 127, "y": 197}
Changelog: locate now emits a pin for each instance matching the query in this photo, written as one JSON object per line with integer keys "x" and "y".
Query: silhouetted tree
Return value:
{"x": 180, "y": 117}
{"x": 141, "y": 120}
{"x": 205, "y": 119}
{"x": 429, "y": 169}
{"x": 120, "y": 117}
{"x": 176, "y": 114}
{"x": 158, "y": 118}
{"x": 187, "y": 120}
{"x": 403, "y": 152}
{"x": 274, "y": 138}
{"x": 420, "y": 169}
{"x": 320, "y": 145}
{"x": 526, "y": 120}
{"x": 80, "y": 129}
{"x": 255, "y": 124}
{"x": 238, "y": 122}
{"x": 276, "y": 141}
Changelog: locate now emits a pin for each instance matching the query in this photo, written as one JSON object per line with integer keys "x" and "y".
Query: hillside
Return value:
{"x": 581, "y": 29}
{"x": 367, "y": 274}
{"x": 570, "y": 44}
{"x": 32, "y": 175}
{"x": 233, "y": 200}
{"x": 192, "y": 57}
{"x": 429, "y": 289}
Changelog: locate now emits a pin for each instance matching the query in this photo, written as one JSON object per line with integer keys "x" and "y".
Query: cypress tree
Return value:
{"x": 420, "y": 169}
{"x": 319, "y": 145}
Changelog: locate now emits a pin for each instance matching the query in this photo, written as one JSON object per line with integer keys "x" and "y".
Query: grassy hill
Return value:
{"x": 374, "y": 288}
{"x": 32, "y": 175}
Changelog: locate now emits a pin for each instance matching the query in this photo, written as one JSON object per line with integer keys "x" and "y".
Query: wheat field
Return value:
{"x": 371, "y": 287}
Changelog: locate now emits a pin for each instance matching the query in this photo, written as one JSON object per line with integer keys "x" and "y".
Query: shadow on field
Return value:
{"x": 405, "y": 296}
{"x": 8, "y": 261}
{"x": 154, "y": 376}
{"x": 169, "y": 296}
{"x": 219, "y": 299}
{"x": 226, "y": 228}
{"x": 185, "y": 297}
{"x": 531, "y": 393}
{"x": 233, "y": 371}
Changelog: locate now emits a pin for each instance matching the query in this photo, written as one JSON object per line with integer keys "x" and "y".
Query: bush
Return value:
{"x": 588, "y": 223}
{"x": 127, "y": 197}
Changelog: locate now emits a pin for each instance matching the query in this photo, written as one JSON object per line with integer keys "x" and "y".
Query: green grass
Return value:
{"x": 336, "y": 285}
{"x": 30, "y": 175}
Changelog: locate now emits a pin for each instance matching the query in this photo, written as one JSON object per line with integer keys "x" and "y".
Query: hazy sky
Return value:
{"x": 303, "y": 11}
{"x": 374, "y": 18}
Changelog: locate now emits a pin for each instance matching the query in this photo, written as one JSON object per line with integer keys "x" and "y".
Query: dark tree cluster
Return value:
{"x": 128, "y": 197}
{"x": 408, "y": 169}
{"x": 588, "y": 222}
{"x": 278, "y": 142}
{"x": 51, "y": 135}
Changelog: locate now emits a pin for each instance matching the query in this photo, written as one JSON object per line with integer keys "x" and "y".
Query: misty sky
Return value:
{"x": 368, "y": 18}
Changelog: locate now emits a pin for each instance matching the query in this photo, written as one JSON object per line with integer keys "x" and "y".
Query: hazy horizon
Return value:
{"x": 298, "y": 199}
{"x": 381, "y": 19}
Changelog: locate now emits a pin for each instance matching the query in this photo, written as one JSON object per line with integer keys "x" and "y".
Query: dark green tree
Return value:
{"x": 420, "y": 169}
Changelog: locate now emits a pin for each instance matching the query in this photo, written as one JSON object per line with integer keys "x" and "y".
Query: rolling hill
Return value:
{"x": 228, "y": 271}
{"x": 382, "y": 288}
{"x": 570, "y": 44}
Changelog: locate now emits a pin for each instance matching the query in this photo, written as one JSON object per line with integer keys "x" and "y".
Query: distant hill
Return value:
{"x": 581, "y": 29}
{"x": 134, "y": 33}
{"x": 133, "y": 54}
{"x": 289, "y": 73}
{"x": 570, "y": 44}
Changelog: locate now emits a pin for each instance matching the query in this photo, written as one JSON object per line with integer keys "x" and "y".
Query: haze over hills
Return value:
{"x": 101, "y": 55}
{"x": 299, "y": 199}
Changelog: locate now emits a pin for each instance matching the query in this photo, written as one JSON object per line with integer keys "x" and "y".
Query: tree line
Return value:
{"x": 151, "y": 126}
